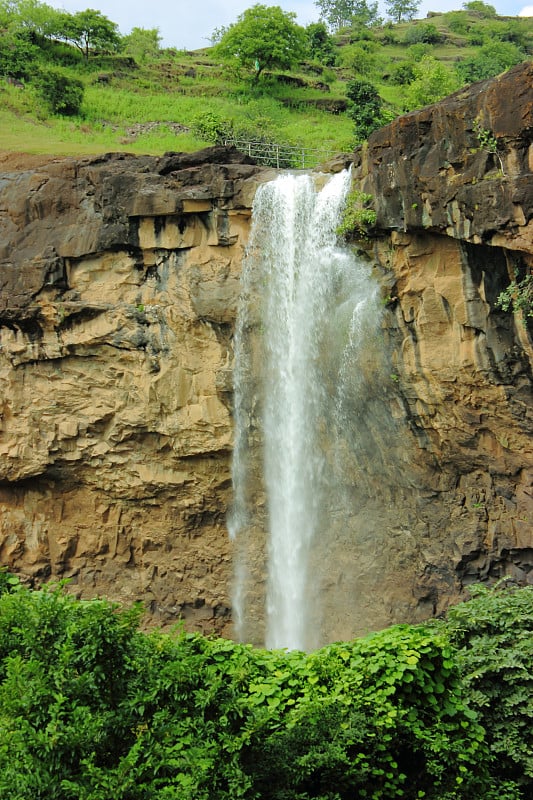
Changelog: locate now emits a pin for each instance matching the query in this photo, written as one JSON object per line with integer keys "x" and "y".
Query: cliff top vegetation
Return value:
{"x": 73, "y": 85}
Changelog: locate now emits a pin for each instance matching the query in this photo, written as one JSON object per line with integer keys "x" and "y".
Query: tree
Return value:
{"x": 142, "y": 44}
{"x": 31, "y": 17}
{"x": 264, "y": 37}
{"x": 402, "y": 9}
{"x": 480, "y": 7}
{"x": 490, "y": 60}
{"x": 366, "y": 14}
{"x": 61, "y": 93}
{"x": 432, "y": 82}
{"x": 366, "y": 111}
{"x": 88, "y": 30}
{"x": 320, "y": 43}
{"x": 360, "y": 57}
{"x": 336, "y": 13}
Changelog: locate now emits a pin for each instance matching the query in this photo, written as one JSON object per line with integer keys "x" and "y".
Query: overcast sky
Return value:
{"x": 188, "y": 24}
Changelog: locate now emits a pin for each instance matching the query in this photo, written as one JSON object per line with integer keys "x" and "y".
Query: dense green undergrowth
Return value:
{"x": 75, "y": 102}
{"x": 93, "y": 708}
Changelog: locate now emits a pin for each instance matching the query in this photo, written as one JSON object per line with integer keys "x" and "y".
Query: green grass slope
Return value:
{"x": 183, "y": 101}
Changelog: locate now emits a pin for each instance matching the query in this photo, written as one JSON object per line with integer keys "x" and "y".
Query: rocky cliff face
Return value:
{"x": 118, "y": 288}
{"x": 455, "y": 224}
{"x": 119, "y": 283}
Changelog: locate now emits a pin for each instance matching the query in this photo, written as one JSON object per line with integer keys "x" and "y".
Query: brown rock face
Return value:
{"x": 119, "y": 280}
{"x": 454, "y": 225}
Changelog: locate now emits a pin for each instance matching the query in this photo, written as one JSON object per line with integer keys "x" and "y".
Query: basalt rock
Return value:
{"x": 119, "y": 280}
{"x": 452, "y": 188}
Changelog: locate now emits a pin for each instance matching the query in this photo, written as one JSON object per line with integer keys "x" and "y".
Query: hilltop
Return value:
{"x": 169, "y": 99}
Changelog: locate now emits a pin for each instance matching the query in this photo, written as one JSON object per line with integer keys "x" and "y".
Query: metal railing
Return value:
{"x": 280, "y": 156}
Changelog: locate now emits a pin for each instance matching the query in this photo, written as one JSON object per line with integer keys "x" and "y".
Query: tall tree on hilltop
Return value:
{"x": 88, "y": 30}
{"x": 341, "y": 13}
{"x": 264, "y": 37}
{"x": 402, "y": 9}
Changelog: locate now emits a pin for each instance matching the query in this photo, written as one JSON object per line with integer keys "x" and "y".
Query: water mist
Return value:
{"x": 307, "y": 312}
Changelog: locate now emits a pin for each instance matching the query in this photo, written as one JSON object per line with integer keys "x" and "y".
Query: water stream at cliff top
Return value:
{"x": 308, "y": 310}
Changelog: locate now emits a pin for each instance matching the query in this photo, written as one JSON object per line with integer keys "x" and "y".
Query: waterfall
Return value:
{"x": 307, "y": 307}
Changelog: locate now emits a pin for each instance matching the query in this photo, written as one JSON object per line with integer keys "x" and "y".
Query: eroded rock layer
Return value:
{"x": 454, "y": 197}
{"x": 119, "y": 279}
{"x": 119, "y": 284}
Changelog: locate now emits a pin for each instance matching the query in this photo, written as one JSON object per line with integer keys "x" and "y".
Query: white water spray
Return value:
{"x": 305, "y": 306}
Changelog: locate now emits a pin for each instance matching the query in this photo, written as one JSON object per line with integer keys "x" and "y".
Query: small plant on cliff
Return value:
{"x": 358, "y": 216}
{"x": 518, "y": 297}
{"x": 487, "y": 141}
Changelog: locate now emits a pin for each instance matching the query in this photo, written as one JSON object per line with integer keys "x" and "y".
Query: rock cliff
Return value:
{"x": 118, "y": 288}
{"x": 119, "y": 281}
{"x": 454, "y": 198}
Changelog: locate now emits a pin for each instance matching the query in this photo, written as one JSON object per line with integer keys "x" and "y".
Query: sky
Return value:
{"x": 186, "y": 24}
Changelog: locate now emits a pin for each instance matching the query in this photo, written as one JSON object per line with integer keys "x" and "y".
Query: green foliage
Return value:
{"x": 320, "y": 44}
{"x": 89, "y": 30}
{"x": 178, "y": 87}
{"x": 425, "y": 32}
{"x": 493, "y": 638}
{"x": 365, "y": 15}
{"x": 141, "y": 44}
{"x": 402, "y": 9}
{"x": 481, "y": 8}
{"x": 403, "y": 73}
{"x": 264, "y": 37}
{"x": 491, "y": 59}
{"x": 90, "y": 708}
{"x": 431, "y": 83}
{"x": 518, "y": 297}
{"x": 342, "y": 13}
{"x": 358, "y": 216}
{"x": 360, "y": 57}
{"x": 62, "y": 94}
{"x": 17, "y": 55}
{"x": 211, "y": 127}
{"x": 366, "y": 109}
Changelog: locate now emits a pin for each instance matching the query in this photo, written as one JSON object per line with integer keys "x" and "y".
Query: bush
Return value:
{"x": 17, "y": 55}
{"x": 62, "y": 94}
{"x": 93, "y": 709}
{"x": 491, "y": 59}
{"x": 402, "y": 74}
{"x": 425, "y": 32}
{"x": 366, "y": 109}
{"x": 493, "y": 638}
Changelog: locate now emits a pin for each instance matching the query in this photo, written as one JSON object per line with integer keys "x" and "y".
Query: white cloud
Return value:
{"x": 527, "y": 11}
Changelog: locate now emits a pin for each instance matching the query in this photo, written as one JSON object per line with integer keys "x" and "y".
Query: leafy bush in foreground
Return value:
{"x": 91, "y": 708}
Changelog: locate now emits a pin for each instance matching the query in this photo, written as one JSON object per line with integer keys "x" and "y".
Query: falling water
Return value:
{"x": 307, "y": 306}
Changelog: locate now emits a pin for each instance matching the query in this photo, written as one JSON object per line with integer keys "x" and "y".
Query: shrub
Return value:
{"x": 403, "y": 73}
{"x": 358, "y": 216}
{"x": 493, "y": 638}
{"x": 91, "y": 708}
{"x": 426, "y": 32}
{"x": 491, "y": 59}
{"x": 62, "y": 94}
{"x": 366, "y": 109}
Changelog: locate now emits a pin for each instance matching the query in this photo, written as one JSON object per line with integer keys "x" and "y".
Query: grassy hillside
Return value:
{"x": 179, "y": 100}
